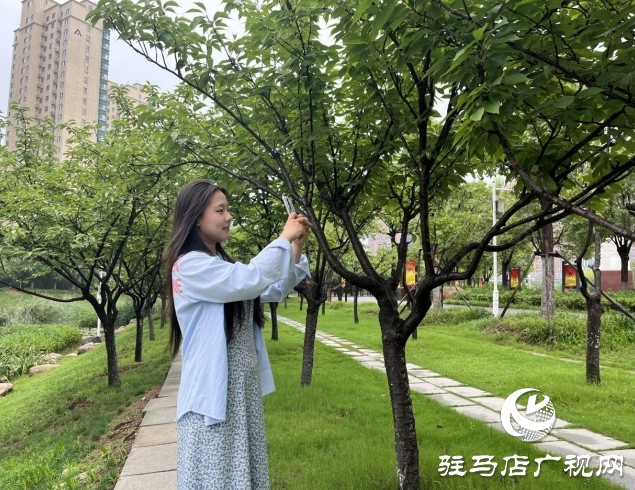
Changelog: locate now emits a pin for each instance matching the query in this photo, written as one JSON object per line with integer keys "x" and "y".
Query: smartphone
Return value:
{"x": 288, "y": 203}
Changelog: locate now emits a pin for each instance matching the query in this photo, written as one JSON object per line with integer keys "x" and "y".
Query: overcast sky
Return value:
{"x": 126, "y": 66}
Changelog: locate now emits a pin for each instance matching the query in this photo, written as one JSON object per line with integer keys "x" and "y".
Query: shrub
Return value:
{"x": 454, "y": 316}
{"x": 34, "y": 313}
{"x": 21, "y": 347}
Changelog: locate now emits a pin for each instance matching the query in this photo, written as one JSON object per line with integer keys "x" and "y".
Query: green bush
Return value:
{"x": 454, "y": 316}
{"x": 21, "y": 346}
{"x": 569, "y": 331}
{"x": 86, "y": 320}
{"x": 34, "y": 313}
{"x": 125, "y": 314}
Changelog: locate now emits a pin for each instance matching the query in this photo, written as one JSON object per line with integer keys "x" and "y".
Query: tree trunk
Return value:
{"x": 437, "y": 298}
{"x": 138, "y": 348}
{"x": 547, "y": 301}
{"x": 339, "y": 290}
{"x": 162, "y": 311}
{"x": 150, "y": 320}
{"x": 355, "y": 314}
{"x": 623, "y": 246}
{"x": 593, "y": 334}
{"x": 406, "y": 447}
{"x": 111, "y": 352}
{"x": 309, "y": 344}
{"x": 274, "y": 320}
{"x": 469, "y": 282}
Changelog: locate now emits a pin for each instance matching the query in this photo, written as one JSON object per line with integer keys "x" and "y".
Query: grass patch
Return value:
{"x": 464, "y": 353}
{"x": 338, "y": 433}
{"x": 58, "y": 420}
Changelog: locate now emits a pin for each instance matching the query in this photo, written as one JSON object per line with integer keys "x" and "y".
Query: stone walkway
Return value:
{"x": 151, "y": 463}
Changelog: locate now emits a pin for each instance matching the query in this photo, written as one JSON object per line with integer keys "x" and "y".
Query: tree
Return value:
{"x": 75, "y": 216}
{"x": 617, "y": 212}
{"x": 353, "y": 123}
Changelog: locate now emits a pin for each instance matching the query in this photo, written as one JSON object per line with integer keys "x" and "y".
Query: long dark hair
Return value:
{"x": 190, "y": 204}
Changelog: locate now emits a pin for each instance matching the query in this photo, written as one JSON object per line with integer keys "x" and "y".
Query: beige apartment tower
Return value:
{"x": 135, "y": 94}
{"x": 59, "y": 67}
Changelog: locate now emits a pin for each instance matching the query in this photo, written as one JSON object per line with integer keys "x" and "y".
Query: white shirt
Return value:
{"x": 201, "y": 285}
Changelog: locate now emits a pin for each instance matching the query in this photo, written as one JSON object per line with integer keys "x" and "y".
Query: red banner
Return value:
{"x": 514, "y": 278}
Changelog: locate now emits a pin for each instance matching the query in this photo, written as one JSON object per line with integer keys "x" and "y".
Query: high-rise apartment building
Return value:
{"x": 134, "y": 93}
{"x": 59, "y": 67}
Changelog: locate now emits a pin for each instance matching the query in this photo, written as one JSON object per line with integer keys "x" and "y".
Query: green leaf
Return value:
{"x": 514, "y": 79}
{"x": 590, "y": 92}
{"x": 564, "y": 102}
{"x": 478, "y": 33}
{"x": 478, "y": 114}
{"x": 492, "y": 106}
{"x": 362, "y": 7}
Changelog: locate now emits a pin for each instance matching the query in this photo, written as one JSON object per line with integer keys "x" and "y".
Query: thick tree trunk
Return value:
{"x": 593, "y": 335}
{"x": 309, "y": 344}
{"x": 339, "y": 291}
{"x": 274, "y": 320}
{"x": 355, "y": 313}
{"x": 138, "y": 348}
{"x": 111, "y": 352}
{"x": 547, "y": 301}
{"x": 406, "y": 448}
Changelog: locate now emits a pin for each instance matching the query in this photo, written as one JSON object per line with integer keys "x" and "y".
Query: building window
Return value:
{"x": 85, "y": 79}
{"x": 47, "y": 98}
{"x": 53, "y": 16}
{"x": 86, "y": 59}
{"x": 59, "y": 118}
{"x": 64, "y": 53}
{"x": 65, "y": 42}
{"x": 64, "y": 63}
{"x": 87, "y": 49}
{"x": 85, "y": 90}
{"x": 50, "y": 55}
{"x": 47, "y": 18}
{"x": 66, "y": 22}
{"x": 62, "y": 95}
{"x": 49, "y": 67}
{"x": 84, "y": 101}
{"x": 85, "y": 69}
{"x": 83, "y": 112}
{"x": 47, "y": 87}
{"x": 62, "y": 85}
{"x": 63, "y": 73}
{"x": 48, "y": 77}
{"x": 87, "y": 39}
{"x": 46, "y": 109}
{"x": 59, "y": 139}
{"x": 67, "y": 11}
{"x": 66, "y": 32}
{"x": 60, "y": 107}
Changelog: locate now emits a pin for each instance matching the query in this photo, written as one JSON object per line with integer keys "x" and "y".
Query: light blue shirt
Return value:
{"x": 201, "y": 284}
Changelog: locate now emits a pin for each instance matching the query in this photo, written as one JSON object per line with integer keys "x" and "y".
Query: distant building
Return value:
{"x": 134, "y": 93}
{"x": 60, "y": 66}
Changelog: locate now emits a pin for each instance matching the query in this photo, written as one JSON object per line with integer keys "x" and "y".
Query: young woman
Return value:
{"x": 214, "y": 306}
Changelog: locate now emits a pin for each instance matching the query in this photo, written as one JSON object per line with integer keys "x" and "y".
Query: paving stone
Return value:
{"x": 426, "y": 388}
{"x": 560, "y": 423}
{"x": 330, "y": 343}
{"x": 491, "y": 402}
{"x": 479, "y": 412}
{"x": 165, "y": 480}
{"x": 153, "y": 435}
{"x": 443, "y": 382}
{"x": 626, "y": 480}
{"x": 355, "y": 354}
{"x": 466, "y": 391}
{"x": 172, "y": 382}
{"x": 168, "y": 391}
{"x": 586, "y": 438}
{"x": 342, "y": 349}
{"x": 563, "y": 448}
{"x": 423, "y": 373}
{"x": 156, "y": 416}
{"x": 150, "y": 459}
{"x": 450, "y": 399}
{"x": 365, "y": 358}
{"x": 165, "y": 402}
{"x": 629, "y": 455}
{"x": 410, "y": 366}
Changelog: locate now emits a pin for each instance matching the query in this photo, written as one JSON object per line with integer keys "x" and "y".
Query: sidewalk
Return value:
{"x": 151, "y": 463}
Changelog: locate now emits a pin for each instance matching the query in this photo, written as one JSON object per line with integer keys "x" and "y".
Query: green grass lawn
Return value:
{"x": 337, "y": 433}
{"x": 54, "y": 421}
{"x": 463, "y": 353}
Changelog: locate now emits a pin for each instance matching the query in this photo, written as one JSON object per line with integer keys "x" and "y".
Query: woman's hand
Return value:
{"x": 297, "y": 226}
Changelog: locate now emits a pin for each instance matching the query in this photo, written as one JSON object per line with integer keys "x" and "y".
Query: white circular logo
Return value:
{"x": 535, "y": 424}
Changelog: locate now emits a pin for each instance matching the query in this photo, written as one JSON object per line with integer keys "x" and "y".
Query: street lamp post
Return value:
{"x": 495, "y": 210}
